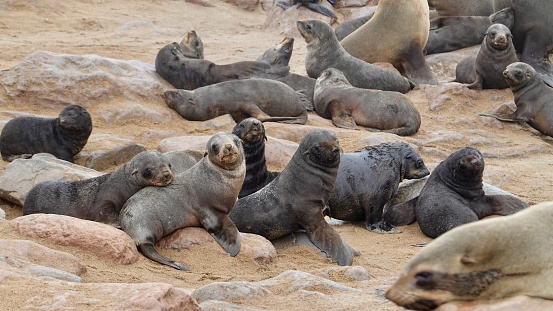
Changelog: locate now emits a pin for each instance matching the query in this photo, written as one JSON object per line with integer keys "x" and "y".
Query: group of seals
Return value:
{"x": 296, "y": 198}
{"x": 348, "y": 106}
{"x": 201, "y": 196}
{"x": 369, "y": 178}
{"x": 63, "y": 137}
{"x": 490, "y": 259}
{"x": 100, "y": 198}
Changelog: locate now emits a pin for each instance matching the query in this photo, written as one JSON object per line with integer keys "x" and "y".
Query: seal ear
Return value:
{"x": 265, "y": 137}
{"x": 134, "y": 171}
{"x": 467, "y": 260}
{"x": 205, "y": 154}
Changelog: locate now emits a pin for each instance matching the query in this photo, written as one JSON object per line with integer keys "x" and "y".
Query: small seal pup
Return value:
{"x": 63, "y": 137}
{"x": 489, "y": 259}
{"x": 348, "y": 106}
{"x": 101, "y": 198}
{"x": 252, "y": 133}
{"x": 397, "y": 34}
{"x": 485, "y": 70}
{"x": 192, "y": 46}
{"x": 324, "y": 51}
{"x": 263, "y": 99}
{"x": 296, "y": 198}
{"x": 201, "y": 196}
{"x": 368, "y": 179}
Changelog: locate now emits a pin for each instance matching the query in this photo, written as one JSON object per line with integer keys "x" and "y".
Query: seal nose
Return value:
{"x": 501, "y": 39}
{"x": 228, "y": 147}
{"x": 167, "y": 175}
{"x": 505, "y": 72}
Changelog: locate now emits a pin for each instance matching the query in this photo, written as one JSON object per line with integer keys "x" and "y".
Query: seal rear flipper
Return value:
{"x": 497, "y": 205}
{"x": 401, "y": 214}
{"x": 534, "y": 54}
{"x": 320, "y": 9}
{"x": 330, "y": 242}
{"x": 224, "y": 231}
{"x": 501, "y": 117}
{"x": 149, "y": 251}
{"x": 415, "y": 66}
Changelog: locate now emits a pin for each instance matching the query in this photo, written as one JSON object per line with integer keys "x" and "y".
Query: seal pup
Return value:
{"x": 201, "y": 196}
{"x": 63, "y": 137}
{"x": 101, "y": 198}
{"x": 489, "y": 259}
{"x": 296, "y": 198}
{"x": 348, "y": 106}
{"x": 485, "y": 70}
{"x": 397, "y": 34}
{"x": 263, "y": 99}
{"x": 192, "y": 46}
{"x": 181, "y": 160}
{"x": 368, "y": 180}
{"x": 324, "y": 51}
{"x": 252, "y": 133}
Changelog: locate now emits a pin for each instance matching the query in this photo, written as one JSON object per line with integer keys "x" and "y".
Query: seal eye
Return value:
{"x": 424, "y": 280}
{"x": 147, "y": 173}
{"x": 419, "y": 163}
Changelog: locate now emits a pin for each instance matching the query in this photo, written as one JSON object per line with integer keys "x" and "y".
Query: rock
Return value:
{"x": 215, "y": 305}
{"x": 248, "y": 5}
{"x": 515, "y": 303}
{"x": 444, "y": 64}
{"x": 353, "y": 3}
{"x": 100, "y": 239}
{"x": 345, "y": 274}
{"x": 104, "y": 152}
{"x": 437, "y": 95}
{"x": 2, "y": 214}
{"x": 28, "y": 269}
{"x": 378, "y": 138}
{"x": 205, "y": 3}
{"x": 218, "y": 122}
{"x": 135, "y": 111}
{"x": 350, "y": 13}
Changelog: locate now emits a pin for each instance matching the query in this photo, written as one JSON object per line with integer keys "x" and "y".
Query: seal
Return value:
{"x": 406, "y": 25}
{"x": 349, "y": 26}
{"x": 466, "y": 8}
{"x": 252, "y": 133}
{"x": 485, "y": 70}
{"x": 155, "y": 212}
{"x": 296, "y": 198}
{"x": 101, "y": 198}
{"x": 324, "y": 51}
{"x": 181, "y": 160}
{"x": 348, "y": 106}
{"x": 263, "y": 99}
{"x": 312, "y": 5}
{"x": 489, "y": 259}
{"x": 368, "y": 180}
{"x": 189, "y": 74}
{"x": 192, "y": 46}
{"x": 63, "y": 137}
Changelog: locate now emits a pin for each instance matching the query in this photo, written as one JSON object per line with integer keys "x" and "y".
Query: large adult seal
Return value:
{"x": 101, "y": 198}
{"x": 368, "y": 179}
{"x": 397, "y": 34}
{"x": 463, "y": 8}
{"x": 296, "y": 198}
{"x": 489, "y": 259}
{"x": 324, "y": 51}
{"x": 189, "y": 74}
{"x": 485, "y": 70}
{"x": 63, "y": 137}
{"x": 192, "y": 46}
{"x": 263, "y": 99}
{"x": 252, "y": 133}
{"x": 201, "y": 196}
{"x": 348, "y": 106}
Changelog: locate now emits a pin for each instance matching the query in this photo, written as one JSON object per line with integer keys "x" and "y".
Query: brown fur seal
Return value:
{"x": 489, "y": 259}
{"x": 63, "y": 137}
{"x": 349, "y": 106}
{"x": 192, "y": 46}
{"x": 181, "y": 160}
{"x": 463, "y": 8}
{"x": 202, "y": 196}
{"x": 101, "y": 198}
{"x": 349, "y": 26}
{"x": 369, "y": 178}
{"x": 397, "y": 34}
{"x": 189, "y": 74}
{"x": 263, "y": 99}
{"x": 485, "y": 70}
{"x": 312, "y": 5}
{"x": 324, "y": 51}
{"x": 296, "y": 198}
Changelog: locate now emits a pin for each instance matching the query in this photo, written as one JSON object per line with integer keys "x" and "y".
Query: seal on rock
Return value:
{"x": 263, "y": 99}
{"x": 192, "y": 46}
{"x": 485, "y": 70}
{"x": 201, "y": 196}
{"x": 324, "y": 51}
{"x": 348, "y": 106}
{"x": 296, "y": 198}
{"x": 368, "y": 180}
{"x": 397, "y": 34}
{"x": 489, "y": 259}
{"x": 63, "y": 137}
{"x": 101, "y": 198}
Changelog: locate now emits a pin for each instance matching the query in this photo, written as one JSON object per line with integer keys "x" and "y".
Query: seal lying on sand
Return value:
{"x": 63, "y": 137}
{"x": 348, "y": 106}
{"x": 369, "y": 178}
{"x": 489, "y": 259}
{"x": 101, "y": 198}
{"x": 296, "y": 198}
{"x": 201, "y": 196}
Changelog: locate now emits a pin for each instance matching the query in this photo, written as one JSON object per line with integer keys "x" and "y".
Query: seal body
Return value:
{"x": 155, "y": 212}
{"x": 369, "y": 178}
{"x": 464, "y": 8}
{"x": 489, "y": 259}
{"x": 348, "y": 106}
{"x": 485, "y": 71}
{"x": 181, "y": 160}
{"x": 349, "y": 26}
{"x": 63, "y": 137}
{"x": 258, "y": 98}
{"x": 192, "y": 46}
{"x": 324, "y": 51}
{"x": 397, "y": 34}
{"x": 101, "y": 198}
{"x": 296, "y": 198}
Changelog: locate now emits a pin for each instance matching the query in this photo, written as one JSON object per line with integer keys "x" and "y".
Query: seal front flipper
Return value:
{"x": 497, "y": 205}
{"x": 401, "y": 214}
{"x": 501, "y": 117}
{"x": 148, "y": 250}
{"x": 240, "y": 70}
{"x": 342, "y": 117}
{"x": 330, "y": 242}
{"x": 224, "y": 231}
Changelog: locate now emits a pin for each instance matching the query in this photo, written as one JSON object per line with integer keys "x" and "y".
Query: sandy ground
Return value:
{"x": 136, "y": 30}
